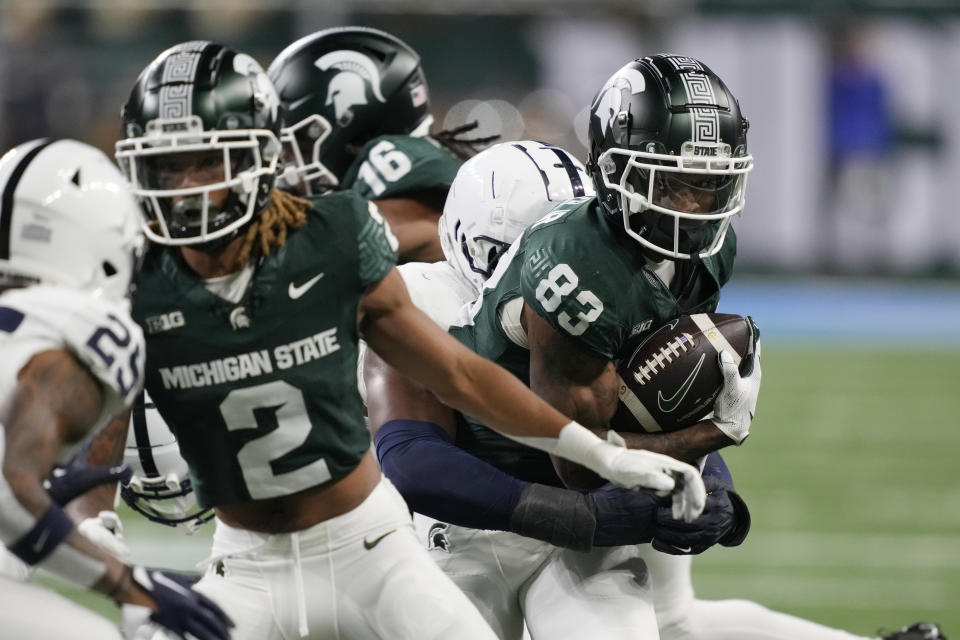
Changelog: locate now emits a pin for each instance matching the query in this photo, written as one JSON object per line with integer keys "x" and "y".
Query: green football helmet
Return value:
{"x": 341, "y": 88}
{"x": 202, "y": 118}
{"x": 668, "y": 155}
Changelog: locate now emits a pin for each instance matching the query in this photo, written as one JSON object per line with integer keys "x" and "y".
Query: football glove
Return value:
{"x": 77, "y": 477}
{"x": 180, "y": 609}
{"x": 106, "y": 531}
{"x": 734, "y": 408}
{"x": 688, "y": 493}
{"x": 725, "y": 520}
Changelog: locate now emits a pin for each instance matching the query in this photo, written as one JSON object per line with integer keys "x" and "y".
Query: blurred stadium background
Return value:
{"x": 849, "y": 246}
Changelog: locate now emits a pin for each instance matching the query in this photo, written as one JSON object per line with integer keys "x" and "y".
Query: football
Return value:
{"x": 671, "y": 379}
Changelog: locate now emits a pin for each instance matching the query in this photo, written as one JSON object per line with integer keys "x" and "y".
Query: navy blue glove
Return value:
{"x": 180, "y": 609}
{"x": 725, "y": 520}
{"x": 624, "y": 516}
{"x": 78, "y": 476}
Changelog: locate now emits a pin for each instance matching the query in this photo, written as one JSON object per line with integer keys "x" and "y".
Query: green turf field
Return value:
{"x": 850, "y": 473}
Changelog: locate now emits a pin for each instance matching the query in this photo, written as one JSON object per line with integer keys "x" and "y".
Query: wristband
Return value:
{"x": 48, "y": 532}
{"x": 41, "y": 546}
{"x": 559, "y": 516}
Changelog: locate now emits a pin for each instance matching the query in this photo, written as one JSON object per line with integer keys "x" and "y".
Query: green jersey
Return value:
{"x": 262, "y": 393}
{"x": 393, "y": 166}
{"x": 591, "y": 283}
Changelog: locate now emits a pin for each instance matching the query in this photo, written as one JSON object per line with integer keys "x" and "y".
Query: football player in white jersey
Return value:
{"x": 72, "y": 360}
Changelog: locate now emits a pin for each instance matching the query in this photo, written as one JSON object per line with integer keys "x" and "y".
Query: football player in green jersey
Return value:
{"x": 253, "y": 301}
{"x": 509, "y": 539}
{"x": 421, "y": 445}
{"x": 358, "y": 117}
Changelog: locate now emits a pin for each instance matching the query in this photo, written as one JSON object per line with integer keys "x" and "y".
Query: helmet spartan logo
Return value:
{"x": 611, "y": 99}
{"x": 349, "y": 87}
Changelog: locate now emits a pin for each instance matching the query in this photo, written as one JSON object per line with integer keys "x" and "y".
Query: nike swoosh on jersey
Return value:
{"x": 370, "y": 544}
{"x": 670, "y": 404}
{"x": 295, "y": 291}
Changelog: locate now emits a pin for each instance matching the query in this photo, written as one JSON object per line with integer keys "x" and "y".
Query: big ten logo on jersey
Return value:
{"x": 118, "y": 349}
{"x": 164, "y": 322}
{"x": 385, "y": 163}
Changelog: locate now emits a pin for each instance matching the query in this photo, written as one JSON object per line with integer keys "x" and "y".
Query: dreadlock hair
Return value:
{"x": 463, "y": 148}
{"x": 284, "y": 212}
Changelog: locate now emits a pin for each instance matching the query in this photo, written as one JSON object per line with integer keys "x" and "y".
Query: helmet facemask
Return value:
{"x": 681, "y": 206}
{"x": 303, "y": 171}
{"x": 474, "y": 255}
{"x": 168, "y": 500}
{"x": 197, "y": 186}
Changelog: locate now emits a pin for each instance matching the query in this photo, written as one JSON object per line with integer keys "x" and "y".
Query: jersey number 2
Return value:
{"x": 258, "y": 407}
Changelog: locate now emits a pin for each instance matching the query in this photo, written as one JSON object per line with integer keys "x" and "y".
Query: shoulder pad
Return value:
{"x": 99, "y": 332}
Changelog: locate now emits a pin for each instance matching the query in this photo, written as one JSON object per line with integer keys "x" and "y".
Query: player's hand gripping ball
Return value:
{"x": 671, "y": 380}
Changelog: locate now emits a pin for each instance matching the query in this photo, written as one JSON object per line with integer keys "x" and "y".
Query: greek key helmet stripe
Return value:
{"x": 179, "y": 74}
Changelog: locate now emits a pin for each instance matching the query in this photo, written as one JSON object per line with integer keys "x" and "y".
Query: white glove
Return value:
{"x": 106, "y": 531}
{"x": 635, "y": 468}
{"x": 689, "y": 494}
{"x": 734, "y": 408}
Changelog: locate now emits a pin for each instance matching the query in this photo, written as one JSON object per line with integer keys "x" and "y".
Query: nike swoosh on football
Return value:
{"x": 295, "y": 291}
{"x": 370, "y": 544}
{"x": 670, "y": 404}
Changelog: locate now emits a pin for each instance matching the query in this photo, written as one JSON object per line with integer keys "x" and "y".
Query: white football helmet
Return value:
{"x": 160, "y": 487}
{"x": 67, "y": 217}
{"x": 497, "y": 194}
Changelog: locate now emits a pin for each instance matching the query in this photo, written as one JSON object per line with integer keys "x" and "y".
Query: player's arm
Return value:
{"x": 104, "y": 453}
{"x": 87, "y": 486}
{"x": 414, "y": 223}
{"x": 55, "y": 402}
{"x": 408, "y": 340}
{"x": 689, "y": 444}
{"x": 576, "y": 381}
{"x": 414, "y": 434}
{"x": 583, "y": 385}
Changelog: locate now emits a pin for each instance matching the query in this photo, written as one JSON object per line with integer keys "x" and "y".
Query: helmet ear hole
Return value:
{"x": 109, "y": 269}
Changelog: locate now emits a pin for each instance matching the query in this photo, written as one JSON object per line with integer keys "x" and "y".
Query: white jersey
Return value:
{"x": 99, "y": 332}
{"x": 437, "y": 289}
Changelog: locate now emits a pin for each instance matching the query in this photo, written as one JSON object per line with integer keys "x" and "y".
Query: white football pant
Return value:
{"x": 682, "y": 617}
{"x": 562, "y": 594}
{"x": 30, "y": 611}
{"x": 360, "y": 575}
